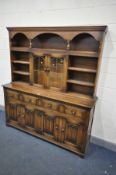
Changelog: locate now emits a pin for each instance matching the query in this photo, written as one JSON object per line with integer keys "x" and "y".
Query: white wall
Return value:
{"x": 69, "y": 13}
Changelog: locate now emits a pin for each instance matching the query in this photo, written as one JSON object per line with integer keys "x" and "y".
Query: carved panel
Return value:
{"x": 40, "y": 102}
{"x": 38, "y": 122}
{"x": 71, "y": 133}
{"x": 74, "y": 134}
{"x": 59, "y": 129}
{"x": 29, "y": 117}
{"x": 49, "y": 125}
{"x": 11, "y": 111}
{"x": 21, "y": 113}
{"x": 61, "y": 108}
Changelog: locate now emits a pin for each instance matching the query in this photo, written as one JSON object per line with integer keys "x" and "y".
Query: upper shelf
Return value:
{"x": 80, "y": 69}
{"x": 20, "y": 62}
{"x": 61, "y": 51}
{"x": 83, "y": 83}
{"x": 83, "y": 43}
{"x": 20, "y": 40}
{"x": 20, "y": 49}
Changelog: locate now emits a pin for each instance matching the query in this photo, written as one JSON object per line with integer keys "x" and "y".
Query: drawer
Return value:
{"x": 49, "y": 104}
{"x": 76, "y": 112}
{"x": 11, "y": 94}
{"x": 28, "y": 98}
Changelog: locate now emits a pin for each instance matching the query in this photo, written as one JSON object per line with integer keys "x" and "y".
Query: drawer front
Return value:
{"x": 48, "y": 104}
{"x": 11, "y": 94}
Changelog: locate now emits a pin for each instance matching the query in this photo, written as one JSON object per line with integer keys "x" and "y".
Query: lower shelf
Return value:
{"x": 34, "y": 133}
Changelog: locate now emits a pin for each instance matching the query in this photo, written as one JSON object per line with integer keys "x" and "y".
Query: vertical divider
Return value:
{"x": 66, "y": 63}
{"x": 31, "y": 68}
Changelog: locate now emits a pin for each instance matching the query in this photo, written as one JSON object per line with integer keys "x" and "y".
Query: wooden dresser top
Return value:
{"x": 71, "y": 98}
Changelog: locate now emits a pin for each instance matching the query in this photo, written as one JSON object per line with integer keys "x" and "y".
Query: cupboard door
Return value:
{"x": 38, "y": 122}
{"x": 29, "y": 117}
{"x": 74, "y": 134}
{"x": 39, "y": 73}
{"x": 71, "y": 133}
{"x": 59, "y": 129}
{"x": 21, "y": 113}
{"x": 11, "y": 111}
{"x": 56, "y": 76}
{"x": 48, "y": 125}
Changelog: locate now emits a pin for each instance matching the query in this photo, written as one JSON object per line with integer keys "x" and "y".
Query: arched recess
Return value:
{"x": 49, "y": 41}
{"x": 84, "y": 42}
{"x": 20, "y": 40}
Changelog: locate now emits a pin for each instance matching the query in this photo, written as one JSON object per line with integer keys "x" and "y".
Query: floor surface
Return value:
{"x": 23, "y": 154}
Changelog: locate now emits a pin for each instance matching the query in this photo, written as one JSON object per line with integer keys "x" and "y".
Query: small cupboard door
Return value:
{"x": 75, "y": 135}
{"x": 29, "y": 119}
{"x": 56, "y": 76}
{"x": 11, "y": 110}
{"x": 59, "y": 129}
{"x": 21, "y": 114}
{"x": 48, "y": 126}
{"x": 39, "y": 69}
{"x": 38, "y": 122}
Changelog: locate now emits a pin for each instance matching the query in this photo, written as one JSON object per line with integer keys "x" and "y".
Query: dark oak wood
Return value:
{"x": 54, "y": 78}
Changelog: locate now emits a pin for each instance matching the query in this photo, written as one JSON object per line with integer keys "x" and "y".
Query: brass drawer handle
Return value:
{"x": 62, "y": 130}
{"x": 73, "y": 112}
{"x": 49, "y": 105}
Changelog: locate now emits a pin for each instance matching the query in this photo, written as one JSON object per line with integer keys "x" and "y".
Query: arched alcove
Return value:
{"x": 20, "y": 40}
{"x": 49, "y": 40}
{"x": 84, "y": 42}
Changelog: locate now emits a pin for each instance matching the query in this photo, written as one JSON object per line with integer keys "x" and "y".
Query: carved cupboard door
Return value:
{"x": 38, "y": 121}
{"x": 29, "y": 118}
{"x": 11, "y": 111}
{"x": 56, "y": 76}
{"x": 74, "y": 134}
{"x": 21, "y": 113}
{"x": 59, "y": 129}
{"x": 49, "y": 125}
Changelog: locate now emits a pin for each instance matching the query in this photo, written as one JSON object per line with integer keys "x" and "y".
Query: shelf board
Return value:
{"x": 47, "y": 51}
{"x": 20, "y": 49}
{"x": 60, "y": 51}
{"x": 83, "y": 53}
{"x": 20, "y": 62}
{"x": 82, "y": 69}
{"x": 83, "y": 83}
{"x": 21, "y": 72}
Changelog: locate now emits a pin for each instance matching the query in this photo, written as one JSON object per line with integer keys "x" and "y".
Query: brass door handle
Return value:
{"x": 56, "y": 127}
{"x": 47, "y": 69}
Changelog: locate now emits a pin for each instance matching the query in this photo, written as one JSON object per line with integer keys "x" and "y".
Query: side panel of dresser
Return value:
{"x": 59, "y": 123}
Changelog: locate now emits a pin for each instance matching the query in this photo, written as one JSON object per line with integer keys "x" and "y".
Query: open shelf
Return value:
{"x": 49, "y": 41}
{"x": 20, "y": 49}
{"x": 81, "y": 76}
{"x": 83, "y": 53}
{"x": 80, "y": 89}
{"x": 83, "y": 62}
{"x": 18, "y": 76}
{"x": 79, "y": 69}
{"x": 20, "y": 62}
{"x": 84, "y": 42}
{"x": 19, "y": 56}
{"x": 83, "y": 83}
{"x": 21, "y": 72}
{"x": 20, "y": 40}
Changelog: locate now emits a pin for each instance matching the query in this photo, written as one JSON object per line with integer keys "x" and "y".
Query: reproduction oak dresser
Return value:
{"x": 54, "y": 78}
